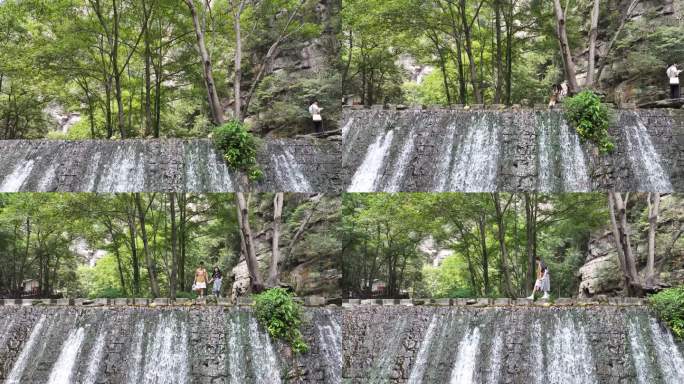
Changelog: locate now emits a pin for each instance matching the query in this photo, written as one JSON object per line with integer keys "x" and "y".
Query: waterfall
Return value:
{"x": 669, "y": 356}
{"x": 330, "y": 343}
{"x": 463, "y": 371}
{"x": 645, "y": 159}
{"x": 26, "y": 352}
{"x": 477, "y": 157}
{"x": 166, "y": 354}
{"x": 575, "y": 175}
{"x": 134, "y": 371}
{"x": 640, "y": 358}
{"x": 288, "y": 171}
{"x": 444, "y": 167}
{"x": 236, "y": 351}
{"x": 124, "y": 172}
{"x": 545, "y": 181}
{"x": 366, "y": 177}
{"x": 14, "y": 181}
{"x": 399, "y": 170}
{"x": 495, "y": 360}
{"x": 62, "y": 371}
{"x": 95, "y": 358}
{"x": 569, "y": 355}
{"x": 264, "y": 363}
{"x": 421, "y": 360}
{"x": 204, "y": 170}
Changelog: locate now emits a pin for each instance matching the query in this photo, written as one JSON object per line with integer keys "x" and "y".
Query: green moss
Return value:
{"x": 669, "y": 304}
{"x": 590, "y": 118}
{"x": 277, "y": 311}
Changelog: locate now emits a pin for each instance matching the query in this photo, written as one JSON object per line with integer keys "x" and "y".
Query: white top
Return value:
{"x": 315, "y": 112}
{"x": 673, "y": 74}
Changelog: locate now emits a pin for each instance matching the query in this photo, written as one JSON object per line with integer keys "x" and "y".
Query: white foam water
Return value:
{"x": 495, "y": 359}
{"x": 63, "y": 369}
{"x": 166, "y": 353}
{"x": 644, "y": 373}
{"x": 463, "y": 371}
{"x": 26, "y": 352}
{"x": 575, "y": 175}
{"x": 235, "y": 352}
{"x": 545, "y": 174}
{"x": 136, "y": 354}
{"x": 420, "y": 365}
{"x": 645, "y": 159}
{"x": 289, "y": 172}
{"x": 264, "y": 362}
{"x": 125, "y": 172}
{"x": 537, "y": 354}
{"x": 95, "y": 358}
{"x": 15, "y": 180}
{"x": 569, "y": 355}
{"x": 330, "y": 343}
{"x": 442, "y": 174}
{"x": 669, "y": 357}
{"x": 398, "y": 171}
{"x": 365, "y": 178}
{"x": 476, "y": 162}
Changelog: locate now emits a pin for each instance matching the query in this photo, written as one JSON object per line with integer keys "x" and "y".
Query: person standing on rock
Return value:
{"x": 201, "y": 279}
{"x": 315, "y": 112}
{"x": 216, "y": 278}
{"x": 673, "y": 74}
{"x": 543, "y": 282}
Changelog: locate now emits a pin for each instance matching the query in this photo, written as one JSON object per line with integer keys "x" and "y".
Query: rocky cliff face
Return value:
{"x": 636, "y": 70}
{"x": 311, "y": 265}
{"x": 601, "y": 271}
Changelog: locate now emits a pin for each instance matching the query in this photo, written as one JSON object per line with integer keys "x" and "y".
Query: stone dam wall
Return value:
{"x": 482, "y": 150}
{"x": 163, "y": 165}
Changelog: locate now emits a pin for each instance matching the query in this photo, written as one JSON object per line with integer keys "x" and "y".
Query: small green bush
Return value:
{"x": 277, "y": 311}
{"x": 239, "y": 148}
{"x": 590, "y": 118}
{"x": 669, "y": 303}
{"x": 107, "y": 293}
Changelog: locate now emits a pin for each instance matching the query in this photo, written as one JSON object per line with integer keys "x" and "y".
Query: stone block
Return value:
{"x": 242, "y": 300}
{"x": 586, "y": 301}
{"x": 122, "y": 301}
{"x": 27, "y": 302}
{"x": 460, "y": 302}
{"x": 443, "y": 302}
{"x": 224, "y": 301}
{"x": 141, "y": 301}
{"x": 502, "y": 301}
{"x": 418, "y": 301}
{"x": 101, "y": 302}
{"x": 523, "y": 302}
{"x": 161, "y": 301}
{"x": 49, "y": 301}
{"x": 408, "y": 302}
{"x": 377, "y": 107}
{"x": 563, "y": 302}
{"x": 65, "y": 301}
{"x": 354, "y": 301}
{"x": 314, "y": 301}
{"x": 389, "y": 302}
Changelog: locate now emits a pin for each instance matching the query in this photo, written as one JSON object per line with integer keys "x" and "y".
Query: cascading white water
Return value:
{"x": 463, "y": 371}
{"x": 5, "y": 328}
{"x": 476, "y": 161}
{"x": 645, "y": 159}
{"x": 204, "y": 171}
{"x": 136, "y": 354}
{"x": 537, "y": 353}
{"x": 569, "y": 355}
{"x": 95, "y": 358}
{"x": 669, "y": 356}
{"x": 367, "y": 175}
{"x": 48, "y": 178}
{"x": 264, "y": 362}
{"x": 289, "y": 172}
{"x": 442, "y": 174}
{"x": 495, "y": 360}
{"x": 26, "y": 352}
{"x": 575, "y": 175}
{"x": 420, "y": 364}
{"x": 401, "y": 164}
{"x": 545, "y": 160}
{"x": 330, "y": 343}
{"x": 166, "y": 353}
{"x": 63, "y": 370}
{"x": 14, "y": 181}
{"x": 346, "y": 128}
{"x": 235, "y": 352}
{"x": 644, "y": 373}
{"x": 125, "y": 171}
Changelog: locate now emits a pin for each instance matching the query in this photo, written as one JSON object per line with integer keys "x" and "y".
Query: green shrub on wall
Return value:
{"x": 590, "y": 118}
{"x": 669, "y": 303}
{"x": 277, "y": 311}
{"x": 239, "y": 148}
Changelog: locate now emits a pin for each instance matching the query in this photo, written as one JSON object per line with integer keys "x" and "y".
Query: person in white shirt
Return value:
{"x": 673, "y": 74}
{"x": 315, "y": 112}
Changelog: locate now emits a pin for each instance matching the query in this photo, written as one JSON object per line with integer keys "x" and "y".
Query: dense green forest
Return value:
{"x": 465, "y": 245}
{"x": 148, "y": 245}
{"x": 154, "y": 68}
{"x": 444, "y": 52}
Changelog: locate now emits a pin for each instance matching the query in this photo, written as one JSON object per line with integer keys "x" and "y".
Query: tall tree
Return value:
{"x": 568, "y": 63}
{"x": 275, "y": 248}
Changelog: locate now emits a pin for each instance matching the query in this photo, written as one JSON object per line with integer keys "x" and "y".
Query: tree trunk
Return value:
{"x": 620, "y": 230}
{"x": 485, "y": 256}
{"x": 502, "y": 243}
{"x": 499, "y": 52}
{"x": 237, "y": 81}
{"x": 531, "y": 232}
{"x": 602, "y": 60}
{"x": 151, "y": 268}
{"x": 653, "y": 208}
{"x": 246, "y": 233}
{"x": 593, "y": 34}
{"x": 275, "y": 252}
{"x": 130, "y": 220}
{"x": 570, "y": 73}
{"x": 182, "y": 207}
{"x": 467, "y": 26}
{"x": 212, "y": 95}
{"x": 148, "y": 64}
